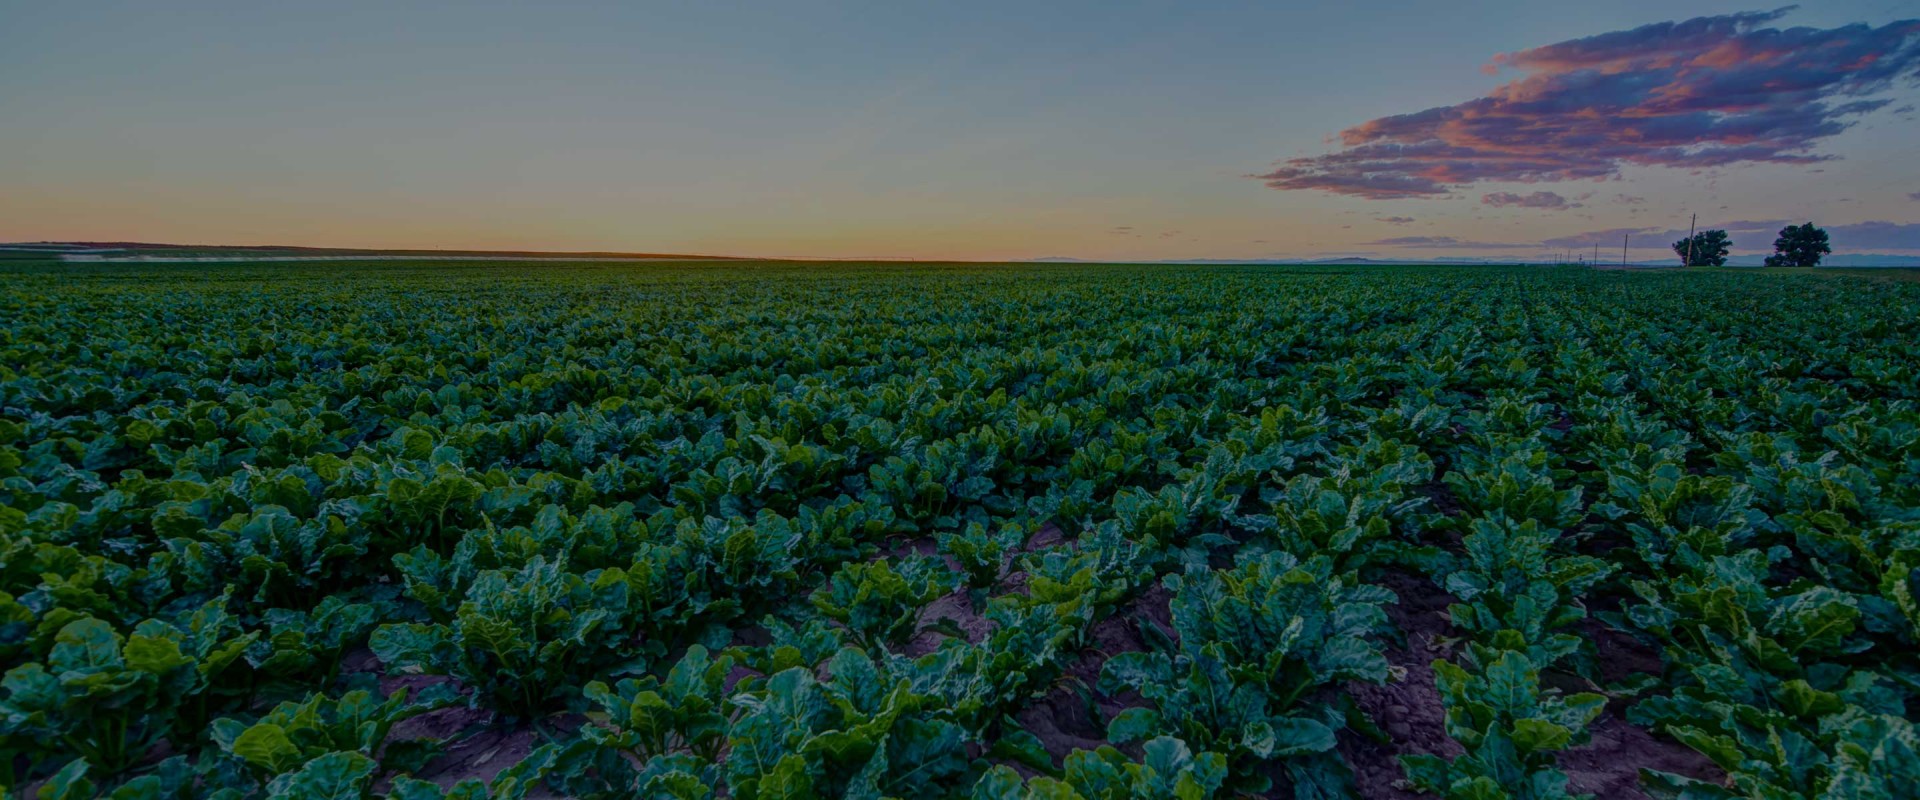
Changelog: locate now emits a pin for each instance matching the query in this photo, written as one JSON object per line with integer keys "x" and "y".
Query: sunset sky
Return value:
{"x": 980, "y": 130}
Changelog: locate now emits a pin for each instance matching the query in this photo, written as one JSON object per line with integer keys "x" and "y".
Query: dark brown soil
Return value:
{"x": 1121, "y": 633}
{"x": 735, "y": 675}
{"x": 1063, "y": 723}
{"x": 482, "y": 755}
{"x": 478, "y": 745}
{"x": 1048, "y": 537}
{"x": 1609, "y": 765}
{"x": 956, "y": 609}
{"x": 1062, "y": 718}
{"x": 1408, "y": 707}
{"x": 1619, "y": 655}
{"x": 1440, "y": 498}
{"x": 755, "y": 635}
{"x": 1155, "y": 606}
{"x": 1115, "y": 634}
{"x": 1441, "y": 501}
{"x": 1409, "y": 711}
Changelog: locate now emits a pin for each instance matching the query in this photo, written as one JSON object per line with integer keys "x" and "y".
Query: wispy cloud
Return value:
{"x": 1913, "y": 195}
{"x": 1544, "y": 200}
{"x": 1396, "y": 220}
{"x": 1707, "y": 92}
{"x": 1446, "y": 242}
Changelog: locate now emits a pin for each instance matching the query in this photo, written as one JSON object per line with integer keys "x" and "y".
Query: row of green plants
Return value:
{"x": 692, "y": 531}
{"x": 1520, "y": 589}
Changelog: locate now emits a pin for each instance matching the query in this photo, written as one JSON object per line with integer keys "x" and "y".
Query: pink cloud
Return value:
{"x": 1707, "y": 92}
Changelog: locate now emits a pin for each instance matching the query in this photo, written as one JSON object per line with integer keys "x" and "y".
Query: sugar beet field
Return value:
{"x": 777, "y": 531}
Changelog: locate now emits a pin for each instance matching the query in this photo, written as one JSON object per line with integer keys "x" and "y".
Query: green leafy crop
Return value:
{"x": 1510, "y": 728}
{"x": 767, "y": 530}
{"x": 1254, "y": 643}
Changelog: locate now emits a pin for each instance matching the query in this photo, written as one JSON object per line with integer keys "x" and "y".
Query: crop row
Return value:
{"x": 964, "y": 532}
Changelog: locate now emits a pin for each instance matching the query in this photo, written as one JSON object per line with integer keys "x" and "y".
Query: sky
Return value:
{"x": 982, "y": 130}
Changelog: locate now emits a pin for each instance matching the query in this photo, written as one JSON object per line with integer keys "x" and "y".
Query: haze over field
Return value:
{"x": 970, "y": 131}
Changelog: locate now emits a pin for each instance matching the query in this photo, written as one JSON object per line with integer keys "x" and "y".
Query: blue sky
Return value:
{"x": 978, "y": 130}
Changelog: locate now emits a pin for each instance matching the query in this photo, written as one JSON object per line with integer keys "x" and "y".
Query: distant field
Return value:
{"x": 786, "y": 529}
{"x": 1880, "y": 273}
{"x": 147, "y": 251}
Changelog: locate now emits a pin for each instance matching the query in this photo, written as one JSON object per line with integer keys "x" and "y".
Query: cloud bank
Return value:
{"x": 1707, "y": 92}
{"x": 1446, "y": 243}
{"x": 1545, "y": 200}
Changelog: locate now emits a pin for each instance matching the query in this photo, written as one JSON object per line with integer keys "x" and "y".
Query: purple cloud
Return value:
{"x": 1913, "y": 196}
{"x": 1545, "y": 200}
{"x": 1396, "y": 220}
{"x": 1878, "y": 235}
{"x": 1445, "y": 242}
{"x": 1707, "y": 92}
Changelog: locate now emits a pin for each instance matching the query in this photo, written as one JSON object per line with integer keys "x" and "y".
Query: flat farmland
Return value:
{"x": 784, "y": 530}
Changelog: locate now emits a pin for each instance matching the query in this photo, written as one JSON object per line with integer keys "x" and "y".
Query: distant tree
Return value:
{"x": 1799, "y": 246}
{"x": 1709, "y": 249}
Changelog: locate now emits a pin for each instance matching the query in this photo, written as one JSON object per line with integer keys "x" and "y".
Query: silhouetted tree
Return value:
{"x": 1709, "y": 249}
{"x": 1799, "y": 246}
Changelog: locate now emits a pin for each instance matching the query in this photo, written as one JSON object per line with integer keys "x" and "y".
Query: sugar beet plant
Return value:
{"x": 816, "y": 531}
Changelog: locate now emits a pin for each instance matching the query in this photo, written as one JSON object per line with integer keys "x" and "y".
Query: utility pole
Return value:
{"x": 1690, "y": 224}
